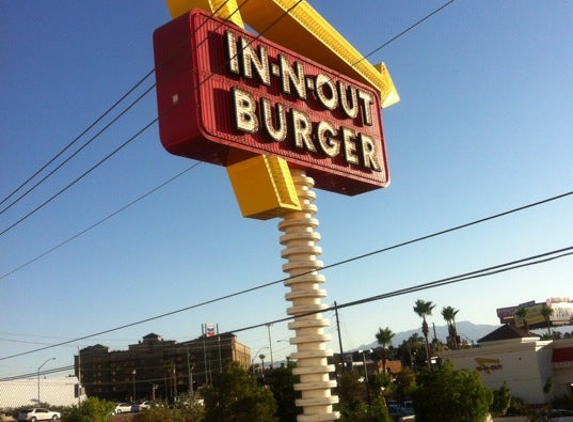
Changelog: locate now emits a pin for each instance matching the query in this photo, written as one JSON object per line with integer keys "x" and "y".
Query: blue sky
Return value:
{"x": 484, "y": 125}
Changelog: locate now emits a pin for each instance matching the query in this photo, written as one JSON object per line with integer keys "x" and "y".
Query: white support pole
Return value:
{"x": 301, "y": 253}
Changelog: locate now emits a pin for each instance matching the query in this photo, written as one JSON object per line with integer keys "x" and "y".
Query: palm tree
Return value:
{"x": 423, "y": 309}
{"x": 546, "y": 313}
{"x": 522, "y": 313}
{"x": 449, "y": 315}
{"x": 384, "y": 337}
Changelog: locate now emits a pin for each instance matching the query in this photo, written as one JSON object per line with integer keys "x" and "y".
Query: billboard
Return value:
{"x": 225, "y": 95}
{"x": 562, "y": 313}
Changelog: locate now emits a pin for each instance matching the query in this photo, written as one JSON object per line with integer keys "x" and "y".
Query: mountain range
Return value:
{"x": 466, "y": 330}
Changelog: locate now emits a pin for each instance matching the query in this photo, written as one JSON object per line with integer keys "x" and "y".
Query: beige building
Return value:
{"x": 156, "y": 368}
{"x": 521, "y": 360}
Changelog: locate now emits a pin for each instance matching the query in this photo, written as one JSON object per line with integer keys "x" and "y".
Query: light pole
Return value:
{"x": 190, "y": 370}
{"x": 255, "y": 356}
{"x": 270, "y": 344}
{"x": 366, "y": 373}
{"x": 40, "y": 367}
{"x": 133, "y": 372}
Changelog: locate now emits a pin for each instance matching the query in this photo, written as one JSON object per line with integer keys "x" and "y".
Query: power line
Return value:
{"x": 484, "y": 272}
{"x": 91, "y": 126}
{"x": 78, "y": 137}
{"x": 111, "y": 154}
{"x": 286, "y": 12}
{"x": 63, "y": 163}
{"x": 96, "y": 224}
{"x": 394, "y": 38}
{"x": 155, "y": 120}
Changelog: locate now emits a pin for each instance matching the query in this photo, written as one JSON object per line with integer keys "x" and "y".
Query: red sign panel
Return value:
{"x": 224, "y": 96}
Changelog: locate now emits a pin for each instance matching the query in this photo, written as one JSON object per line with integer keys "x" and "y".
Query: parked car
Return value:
{"x": 121, "y": 408}
{"x": 561, "y": 415}
{"x": 37, "y": 414}
{"x": 138, "y": 407}
{"x": 398, "y": 411}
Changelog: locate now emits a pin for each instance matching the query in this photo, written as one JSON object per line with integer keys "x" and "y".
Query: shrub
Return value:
{"x": 90, "y": 410}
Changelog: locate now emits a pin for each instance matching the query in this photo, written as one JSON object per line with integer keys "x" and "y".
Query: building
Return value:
{"x": 156, "y": 368}
{"x": 60, "y": 391}
{"x": 520, "y": 359}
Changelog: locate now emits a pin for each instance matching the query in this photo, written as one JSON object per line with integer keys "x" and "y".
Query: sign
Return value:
{"x": 225, "y": 96}
{"x": 488, "y": 365}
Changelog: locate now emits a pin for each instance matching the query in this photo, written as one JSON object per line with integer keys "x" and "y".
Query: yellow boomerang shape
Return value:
{"x": 295, "y": 25}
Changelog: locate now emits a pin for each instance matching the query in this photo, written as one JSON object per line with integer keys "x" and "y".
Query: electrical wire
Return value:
{"x": 268, "y": 284}
{"x": 96, "y": 224}
{"x": 476, "y": 274}
{"x": 141, "y": 130}
{"x": 395, "y": 37}
{"x": 242, "y": 292}
{"x": 84, "y": 174}
{"x": 484, "y": 272}
{"x": 91, "y": 126}
{"x": 149, "y": 89}
{"x": 89, "y": 141}
{"x": 138, "y": 99}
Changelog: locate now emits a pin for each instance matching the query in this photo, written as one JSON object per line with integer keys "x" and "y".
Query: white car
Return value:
{"x": 561, "y": 415}
{"x": 144, "y": 405}
{"x": 121, "y": 408}
{"x": 37, "y": 414}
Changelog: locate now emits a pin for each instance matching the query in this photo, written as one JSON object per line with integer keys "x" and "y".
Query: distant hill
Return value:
{"x": 466, "y": 330}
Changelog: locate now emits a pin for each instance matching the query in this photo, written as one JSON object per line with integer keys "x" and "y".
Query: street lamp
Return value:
{"x": 133, "y": 372}
{"x": 40, "y": 367}
{"x": 366, "y": 373}
{"x": 255, "y": 356}
{"x": 270, "y": 344}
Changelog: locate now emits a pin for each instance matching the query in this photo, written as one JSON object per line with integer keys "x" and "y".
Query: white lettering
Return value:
{"x": 245, "y": 111}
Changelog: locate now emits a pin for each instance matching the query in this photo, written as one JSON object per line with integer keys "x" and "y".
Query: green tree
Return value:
{"x": 522, "y": 313}
{"x": 411, "y": 351}
{"x": 90, "y": 410}
{"x": 501, "y": 401}
{"x": 384, "y": 338}
{"x": 352, "y": 396}
{"x": 449, "y": 315}
{"x": 235, "y": 397}
{"x": 350, "y": 390}
{"x": 448, "y": 395}
{"x": 281, "y": 380}
{"x": 187, "y": 409}
{"x": 546, "y": 313}
{"x": 405, "y": 384}
{"x": 424, "y": 309}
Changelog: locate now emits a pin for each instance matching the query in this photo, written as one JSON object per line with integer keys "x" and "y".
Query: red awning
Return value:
{"x": 562, "y": 357}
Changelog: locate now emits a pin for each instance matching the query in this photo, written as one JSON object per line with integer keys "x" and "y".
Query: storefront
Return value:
{"x": 525, "y": 363}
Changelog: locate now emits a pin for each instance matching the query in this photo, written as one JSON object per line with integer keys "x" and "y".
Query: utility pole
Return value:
{"x": 342, "y": 358}
{"x": 270, "y": 345}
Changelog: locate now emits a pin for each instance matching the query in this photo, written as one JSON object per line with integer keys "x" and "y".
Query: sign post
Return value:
{"x": 281, "y": 124}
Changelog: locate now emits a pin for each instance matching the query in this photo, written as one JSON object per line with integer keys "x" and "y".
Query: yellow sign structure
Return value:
{"x": 225, "y": 9}
{"x": 263, "y": 187}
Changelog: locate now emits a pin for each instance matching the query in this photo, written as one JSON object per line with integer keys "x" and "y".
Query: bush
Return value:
{"x": 448, "y": 395}
{"x": 187, "y": 408}
{"x": 501, "y": 401}
{"x": 563, "y": 402}
{"x": 235, "y": 396}
{"x": 90, "y": 410}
